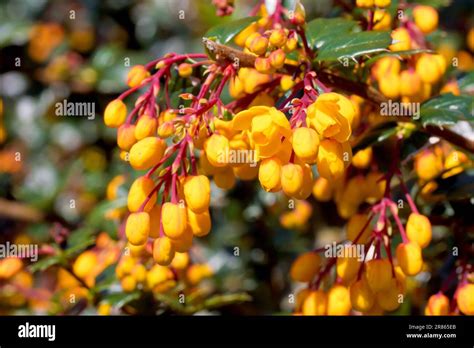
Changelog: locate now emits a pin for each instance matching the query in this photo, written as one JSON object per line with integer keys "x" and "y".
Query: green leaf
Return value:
{"x": 446, "y": 109}
{"x": 466, "y": 83}
{"x": 353, "y": 45}
{"x": 79, "y": 241}
{"x": 321, "y": 30}
{"x": 46, "y": 263}
{"x": 225, "y": 32}
{"x": 121, "y": 299}
{"x": 433, "y": 3}
{"x": 106, "y": 278}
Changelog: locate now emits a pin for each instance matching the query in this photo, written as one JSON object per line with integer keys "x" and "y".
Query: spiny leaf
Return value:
{"x": 354, "y": 45}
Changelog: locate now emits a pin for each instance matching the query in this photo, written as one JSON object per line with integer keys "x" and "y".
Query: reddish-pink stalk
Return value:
{"x": 370, "y": 25}
{"x": 408, "y": 196}
{"x": 393, "y": 209}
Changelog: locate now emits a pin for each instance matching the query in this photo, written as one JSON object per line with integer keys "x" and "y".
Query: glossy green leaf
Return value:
{"x": 121, "y": 299}
{"x": 223, "y": 33}
{"x": 353, "y": 45}
{"x": 322, "y": 30}
{"x": 447, "y": 109}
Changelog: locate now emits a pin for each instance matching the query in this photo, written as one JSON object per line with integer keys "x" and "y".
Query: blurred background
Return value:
{"x": 55, "y": 171}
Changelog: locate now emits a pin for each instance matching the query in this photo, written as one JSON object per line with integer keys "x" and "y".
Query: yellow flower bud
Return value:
{"x": 158, "y": 275}
{"x": 128, "y": 283}
{"x": 104, "y": 308}
{"x": 339, "y": 301}
{"x": 166, "y": 130}
{"x": 200, "y": 224}
{"x": 300, "y": 298}
{"x": 83, "y": 265}
{"x": 278, "y": 38}
{"x": 136, "y": 75}
{"x": 146, "y": 127}
{"x": 115, "y": 113}
{"x": 362, "y": 158}
{"x": 236, "y": 88}
{"x": 180, "y": 261}
{"x": 419, "y": 229}
{"x": 258, "y": 45}
{"x": 291, "y": 44}
{"x": 426, "y": 18}
{"x": 438, "y": 304}
{"x": 315, "y": 303}
{"x": 185, "y": 70}
{"x": 138, "y": 193}
{"x": 163, "y": 251}
{"x": 401, "y": 40}
{"x": 225, "y": 178}
{"x": 307, "y": 186}
{"x": 454, "y": 162}
{"x": 277, "y": 58}
{"x": 382, "y": 3}
{"x": 410, "y": 83}
{"x": 246, "y": 172}
{"x": 286, "y": 82}
{"x": 389, "y": 85}
{"x": 465, "y": 299}
{"x": 374, "y": 187}
{"x": 217, "y": 148}
{"x": 354, "y": 228}
{"x": 389, "y": 299}
{"x": 197, "y": 193}
{"x": 269, "y": 174}
{"x": 244, "y": 34}
{"x": 365, "y": 3}
{"x": 113, "y": 186}
{"x": 197, "y": 272}
{"x": 291, "y": 179}
{"x": 409, "y": 258}
{"x": 139, "y": 273}
{"x": 330, "y": 160}
{"x": 378, "y": 274}
{"x": 347, "y": 267}
{"x": 362, "y": 297}
{"x": 430, "y": 67}
{"x": 322, "y": 190}
{"x": 263, "y": 65}
{"x": 147, "y": 152}
{"x": 173, "y": 219}
{"x": 183, "y": 243}
{"x": 386, "y": 66}
{"x": 126, "y": 136}
{"x": 305, "y": 144}
{"x": 382, "y": 20}
{"x": 305, "y": 267}
{"x": 137, "y": 228}
{"x": 428, "y": 165}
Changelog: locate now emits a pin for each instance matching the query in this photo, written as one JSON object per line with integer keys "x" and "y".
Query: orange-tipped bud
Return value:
{"x": 137, "y": 75}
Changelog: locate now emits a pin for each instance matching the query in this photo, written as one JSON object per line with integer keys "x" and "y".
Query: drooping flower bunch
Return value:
{"x": 293, "y": 132}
